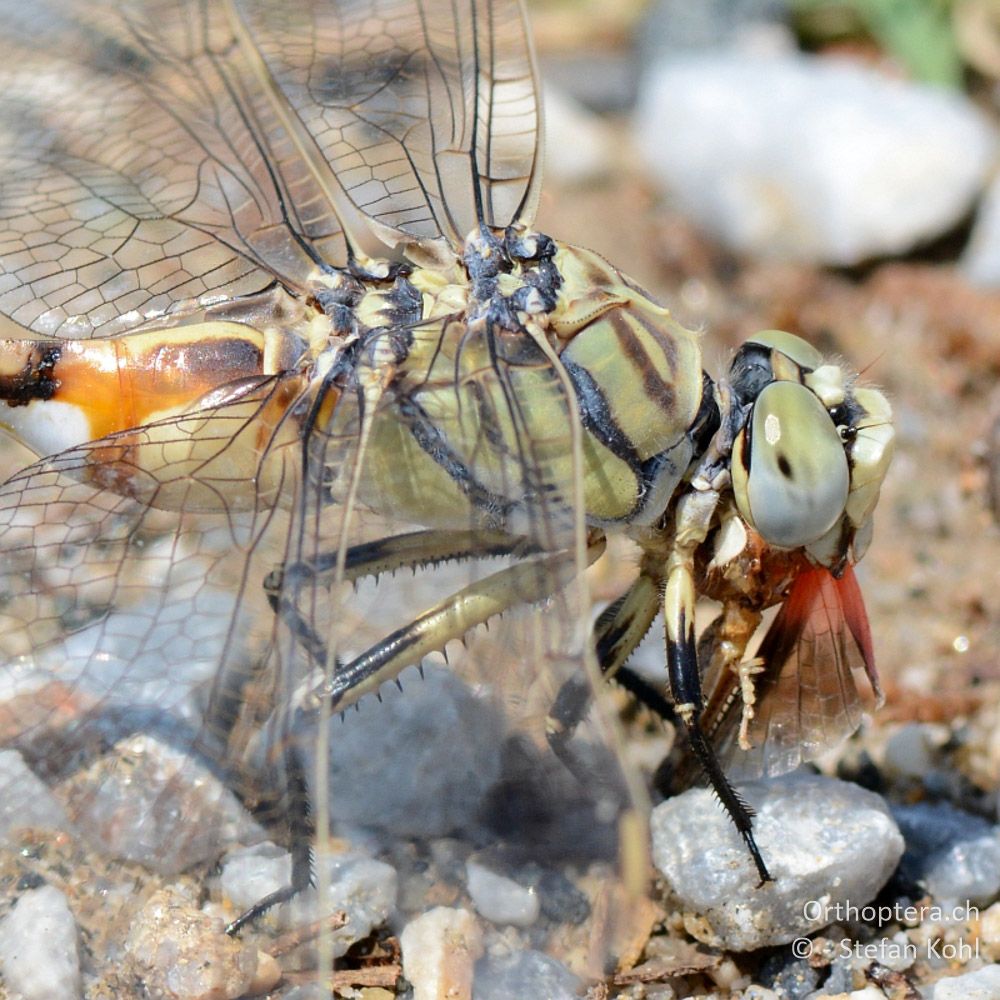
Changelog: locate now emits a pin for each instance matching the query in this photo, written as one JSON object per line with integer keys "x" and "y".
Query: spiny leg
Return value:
{"x": 693, "y": 518}
{"x": 301, "y": 833}
{"x": 452, "y": 618}
{"x": 617, "y": 632}
{"x": 412, "y": 550}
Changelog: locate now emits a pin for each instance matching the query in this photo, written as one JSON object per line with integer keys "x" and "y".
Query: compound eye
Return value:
{"x": 794, "y": 348}
{"x": 790, "y": 475}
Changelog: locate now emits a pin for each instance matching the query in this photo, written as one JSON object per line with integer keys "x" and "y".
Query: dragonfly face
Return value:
{"x": 272, "y": 300}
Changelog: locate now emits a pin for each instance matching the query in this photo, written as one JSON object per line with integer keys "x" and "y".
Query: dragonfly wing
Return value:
{"x": 130, "y": 579}
{"x": 423, "y": 116}
{"x": 173, "y": 153}
{"x": 817, "y": 680}
{"x": 142, "y": 170}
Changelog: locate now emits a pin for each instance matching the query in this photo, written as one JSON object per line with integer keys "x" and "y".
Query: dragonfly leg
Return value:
{"x": 525, "y": 583}
{"x": 617, "y": 631}
{"x": 301, "y": 833}
{"x": 693, "y": 518}
{"x": 412, "y": 550}
{"x": 419, "y": 548}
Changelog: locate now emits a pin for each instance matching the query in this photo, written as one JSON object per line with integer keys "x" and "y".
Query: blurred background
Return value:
{"x": 828, "y": 168}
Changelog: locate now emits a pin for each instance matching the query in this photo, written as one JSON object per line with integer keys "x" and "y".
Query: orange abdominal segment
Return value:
{"x": 61, "y": 393}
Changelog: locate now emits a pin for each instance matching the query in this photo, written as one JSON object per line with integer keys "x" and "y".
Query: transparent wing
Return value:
{"x": 191, "y": 598}
{"x": 816, "y": 680}
{"x": 148, "y": 673}
{"x": 126, "y": 608}
{"x": 168, "y": 153}
{"x": 425, "y": 115}
{"x": 140, "y": 169}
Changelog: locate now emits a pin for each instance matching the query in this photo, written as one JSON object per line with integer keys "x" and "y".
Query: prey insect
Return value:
{"x": 272, "y": 299}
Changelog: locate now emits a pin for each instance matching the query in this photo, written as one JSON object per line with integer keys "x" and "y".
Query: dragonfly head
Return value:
{"x": 812, "y": 450}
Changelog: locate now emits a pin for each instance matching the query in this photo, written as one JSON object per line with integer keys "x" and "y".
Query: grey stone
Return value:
{"x": 146, "y": 801}
{"x": 674, "y": 26}
{"x": 26, "y": 800}
{"x": 524, "y": 974}
{"x": 420, "y": 762}
{"x": 953, "y": 854}
{"x": 826, "y": 843}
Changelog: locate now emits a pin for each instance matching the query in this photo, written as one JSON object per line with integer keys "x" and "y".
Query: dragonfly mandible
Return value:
{"x": 271, "y": 300}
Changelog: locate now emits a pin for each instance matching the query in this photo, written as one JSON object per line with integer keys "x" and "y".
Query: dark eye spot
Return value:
{"x": 784, "y": 467}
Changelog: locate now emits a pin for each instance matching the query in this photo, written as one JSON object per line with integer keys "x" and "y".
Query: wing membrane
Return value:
{"x": 134, "y": 174}
{"x": 165, "y": 154}
{"x": 426, "y": 113}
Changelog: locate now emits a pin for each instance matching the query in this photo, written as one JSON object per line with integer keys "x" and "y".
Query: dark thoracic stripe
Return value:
{"x": 36, "y": 379}
{"x": 598, "y": 421}
{"x": 660, "y": 392}
{"x": 596, "y": 416}
{"x": 433, "y": 443}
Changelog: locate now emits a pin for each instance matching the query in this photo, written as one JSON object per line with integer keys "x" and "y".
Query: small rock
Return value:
{"x": 793, "y": 977}
{"x": 26, "y": 800}
{"x": 419, "y": 763}
{"x": 179, "y": 952}
{"x": 364, "y": 889}
{"x": 811, "y": 159}
{"x": 826, "y": 843}
{"x": 39, "y": 958}
{"x": 953, "y": 854}
{"x": 440, "y": 948}
{"x": 501, "y": 900}
{"x": 913, "y": 750}
{"x": 524, "y": 974}
{"x": 983, "y": 984}
{"x": 989, "y": 932}
{"x": 146, "y": 801}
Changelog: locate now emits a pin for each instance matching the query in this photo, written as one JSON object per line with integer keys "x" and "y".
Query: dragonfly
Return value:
{"x": 275, "y": 321}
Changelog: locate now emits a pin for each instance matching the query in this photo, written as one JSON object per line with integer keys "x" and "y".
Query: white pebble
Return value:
{"x": 983, "y": 984}
{"x": 913, "y": 750}
{"x": 440, "y": 948}
{"x": 363, "y": 888}
{"x": 179, "y": 952}
{"x": 578, "y": 149}
{"x": 39, "y": 958}
{"x": 501, "y": 900}
{"x": 811, "y": 159}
